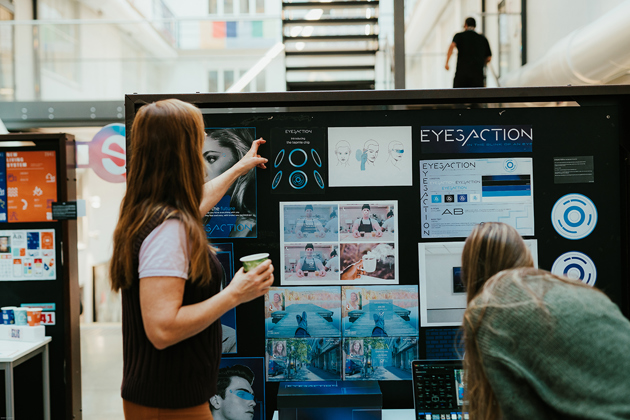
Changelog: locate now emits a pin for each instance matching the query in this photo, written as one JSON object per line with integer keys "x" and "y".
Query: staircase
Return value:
{"x": 330, "y": 45}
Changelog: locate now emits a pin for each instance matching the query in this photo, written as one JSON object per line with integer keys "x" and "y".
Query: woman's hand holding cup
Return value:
{"x": 254, "y": 283}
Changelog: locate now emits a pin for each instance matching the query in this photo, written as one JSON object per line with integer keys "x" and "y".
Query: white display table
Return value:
{"x": 14, "y": 353}
{"x": 404, "y": 414}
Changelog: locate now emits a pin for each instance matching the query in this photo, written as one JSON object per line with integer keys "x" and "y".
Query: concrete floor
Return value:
{"x": 101, "y": 371}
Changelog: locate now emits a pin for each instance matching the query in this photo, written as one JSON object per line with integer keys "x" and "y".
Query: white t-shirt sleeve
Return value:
{"x": 164, "y": 253}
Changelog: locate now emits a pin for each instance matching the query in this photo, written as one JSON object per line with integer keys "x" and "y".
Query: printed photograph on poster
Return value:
{"x": 27, "y": 255}
{"x": 298, "y": 157}
{"x": 371, "y": 263}
{"x": 442, "y": 293}
{"x": 457, "y": 194}
{"x": 364, "y": 251}
{"x": 235, "y": 215}
{"x": 368, "y": 222}
{"x": 369, "y": 156}
{"x": 379, "y": 311}
{"x": 292, "y": 312}
{"x": 311, "y": 222}
{"x": 379, "y": 359}
{"x": 303, "y": 359}
{"x": 225, "y": 255}
{"x": 311, "y": 263}
{"x": 240, "y": 389}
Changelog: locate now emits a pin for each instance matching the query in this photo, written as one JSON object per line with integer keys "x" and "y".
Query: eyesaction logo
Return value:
{"x": 477, "y": 139}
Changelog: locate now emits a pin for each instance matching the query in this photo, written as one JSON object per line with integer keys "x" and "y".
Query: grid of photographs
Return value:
{"x": 333, "y": 243}
{"x": 349, "y": 332}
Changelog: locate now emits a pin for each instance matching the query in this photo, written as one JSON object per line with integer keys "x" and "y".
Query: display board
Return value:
{"x": 368, "y": 191}
{"x": 38, "y": 263}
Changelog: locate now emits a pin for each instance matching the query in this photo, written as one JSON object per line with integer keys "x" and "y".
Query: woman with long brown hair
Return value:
{"x": 169, "y": 276}
{"x": 538, "y": 345}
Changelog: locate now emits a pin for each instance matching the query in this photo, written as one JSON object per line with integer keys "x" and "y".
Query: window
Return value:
{"x": 213, "y": 81}
{"x": 244, "y": 7}
{"x": 228, "y": 79}
{"x": 228, "y": 6}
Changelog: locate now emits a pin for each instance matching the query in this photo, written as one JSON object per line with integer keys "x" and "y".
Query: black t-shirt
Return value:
{"x": 472, "y": 51}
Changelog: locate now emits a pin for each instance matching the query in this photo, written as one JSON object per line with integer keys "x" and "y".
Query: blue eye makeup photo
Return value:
{"x": 243, "y": 394}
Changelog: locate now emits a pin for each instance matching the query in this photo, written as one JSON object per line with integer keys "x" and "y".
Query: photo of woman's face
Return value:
{"x": 218, "y": 159}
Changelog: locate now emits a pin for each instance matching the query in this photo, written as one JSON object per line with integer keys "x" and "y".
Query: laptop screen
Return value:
{"x": 438, "y": 389}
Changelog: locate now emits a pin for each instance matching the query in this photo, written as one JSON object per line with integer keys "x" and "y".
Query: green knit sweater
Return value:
{"x": 568, "y": 359}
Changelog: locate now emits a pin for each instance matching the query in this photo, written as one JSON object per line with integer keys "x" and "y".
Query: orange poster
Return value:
{"x": 31, "y": 185}
{"x": 48, "y": 240}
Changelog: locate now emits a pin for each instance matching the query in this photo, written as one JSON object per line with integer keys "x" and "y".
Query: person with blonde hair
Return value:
{"x": 169, "y": 276}
{"x": 538, "y": 345}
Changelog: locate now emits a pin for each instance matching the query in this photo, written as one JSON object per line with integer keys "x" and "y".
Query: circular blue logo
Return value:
{"x": 574, "y": 216}
{"x": 576, "y": 266}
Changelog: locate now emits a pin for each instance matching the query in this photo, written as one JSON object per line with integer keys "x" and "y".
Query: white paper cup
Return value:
{"x": 252, "y": 261}
{"x": 369, "y": 263}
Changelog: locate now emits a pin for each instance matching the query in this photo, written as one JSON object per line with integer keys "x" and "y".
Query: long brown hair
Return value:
{"x": 165, "y": 175}
{"x": 489, "y": 249}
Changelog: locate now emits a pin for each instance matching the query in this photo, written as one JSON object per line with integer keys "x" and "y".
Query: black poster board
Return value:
{"x": 592, "y": 131}
{"x": 60, "y": 294}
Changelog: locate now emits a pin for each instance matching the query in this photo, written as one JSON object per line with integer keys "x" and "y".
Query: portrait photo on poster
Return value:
{"x": 240, "y": 389}
{"x": 442, "y": 294}
{"x": 301, "y": 312}
{"x": 369, "y": 156}
{"x": 225, "y": 255}
{"x": 235, "y": 215}
{"x": 339, "y": 242}
{"x": 379, "y": 358}
{"x": 303, "y": 359}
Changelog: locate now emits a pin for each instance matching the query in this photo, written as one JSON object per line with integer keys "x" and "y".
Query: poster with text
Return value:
{"x": 31, "y": 186}
{"x": 369, "y": 156}
{"x": 235, "y": 215}
{"x": 335, "y": 243}
{"x": 27, "y": 255}
{"x": 457, "y": 194}
{"x": 298, "y": 157}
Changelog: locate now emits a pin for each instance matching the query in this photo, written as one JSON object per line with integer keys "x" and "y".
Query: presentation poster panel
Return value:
{"x": 457, "y": 194}
{"x": 339, "y": 243}
{"x": 27, "y": 255}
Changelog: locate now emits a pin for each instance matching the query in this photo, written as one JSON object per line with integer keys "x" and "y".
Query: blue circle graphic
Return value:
{"x": 291, "y": 158}
{"x": 579, "y": 268}
{"x": 298, "y": 180}
{"x": 569, "y": 210}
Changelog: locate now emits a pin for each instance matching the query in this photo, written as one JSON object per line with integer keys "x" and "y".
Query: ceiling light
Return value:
{"x": 308, "y": 31}
{"x": 300, "y": 46}
{"x": 295, "y": 31}
{"x": 314, "y": 14}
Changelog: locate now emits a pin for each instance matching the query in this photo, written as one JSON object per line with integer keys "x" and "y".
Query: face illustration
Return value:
{"x": 308, "y": 213}
{"x": 218, "y": 158}
{"x": 343, "y": 154}
{"x": 353, "y": 297}
{"x": 356, "y": 347}
{"x": 397, "y": 152}
{"x": 309, "y": 252}
{"x": 366, "y": 213}
{"x": 276, "y": 298}
{"x": 239, "y": 400}
{"x": 279, "y": 348}
{"x": 372, "y": 152}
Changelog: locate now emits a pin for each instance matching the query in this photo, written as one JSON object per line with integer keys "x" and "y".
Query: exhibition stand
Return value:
{"x": 365, "y": 205}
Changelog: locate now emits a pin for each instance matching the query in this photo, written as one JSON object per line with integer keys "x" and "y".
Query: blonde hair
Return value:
{"x": 165, "y": 176}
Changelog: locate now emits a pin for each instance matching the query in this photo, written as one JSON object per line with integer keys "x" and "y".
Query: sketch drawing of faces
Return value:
{"x": 342, "y": 151}
{"x": 370, "y": 153}
{"x": 395, "y": 152}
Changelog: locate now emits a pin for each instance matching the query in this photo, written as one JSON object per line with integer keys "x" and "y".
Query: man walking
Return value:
{"x": 473, "y": 53}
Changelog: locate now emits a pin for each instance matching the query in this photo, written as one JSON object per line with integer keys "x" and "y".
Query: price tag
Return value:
{"x": 48, "y": 318}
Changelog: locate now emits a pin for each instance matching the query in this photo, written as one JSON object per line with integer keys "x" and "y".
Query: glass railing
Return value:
{"x": 105, "y": 59}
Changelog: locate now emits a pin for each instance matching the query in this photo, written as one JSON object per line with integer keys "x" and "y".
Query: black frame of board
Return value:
{"x": 618, "y": 97}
